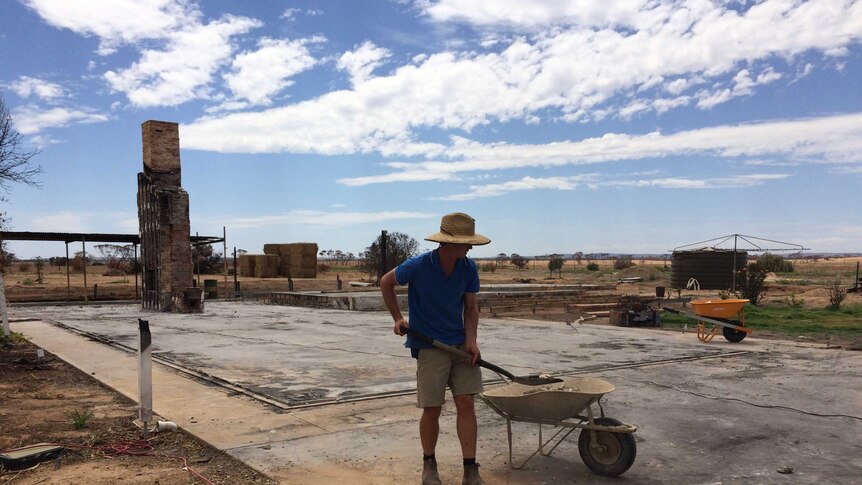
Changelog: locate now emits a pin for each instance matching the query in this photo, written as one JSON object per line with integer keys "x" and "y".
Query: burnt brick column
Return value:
{"x": 163, "y": 216}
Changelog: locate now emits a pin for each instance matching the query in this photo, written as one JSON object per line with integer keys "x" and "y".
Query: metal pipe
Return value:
{"x": 68, "y": 278}
{"x": 84, "y": 258}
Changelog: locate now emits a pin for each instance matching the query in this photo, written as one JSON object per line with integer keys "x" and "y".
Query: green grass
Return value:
{"x": 845, "y": 321}
{"x": 79, "y": 419}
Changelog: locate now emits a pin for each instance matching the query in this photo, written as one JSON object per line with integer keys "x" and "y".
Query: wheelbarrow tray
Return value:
{"x": 717, "y": 308}
{"x": 553, "y": 402}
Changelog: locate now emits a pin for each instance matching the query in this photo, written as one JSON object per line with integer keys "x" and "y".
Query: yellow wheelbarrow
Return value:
{"x": 727, "y": 314}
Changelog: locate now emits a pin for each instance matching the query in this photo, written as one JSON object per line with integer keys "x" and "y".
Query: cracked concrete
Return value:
{"x": 707, "y": 413}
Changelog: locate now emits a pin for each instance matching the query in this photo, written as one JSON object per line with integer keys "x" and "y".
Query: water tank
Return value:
{"x": 712, "y": 268}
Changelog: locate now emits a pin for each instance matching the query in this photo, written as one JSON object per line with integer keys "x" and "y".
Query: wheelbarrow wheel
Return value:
{"x": 733, "y": 335}
{"x": 611, "y": 454}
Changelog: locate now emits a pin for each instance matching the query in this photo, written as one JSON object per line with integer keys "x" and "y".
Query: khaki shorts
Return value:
{"x": 435, "y": 369}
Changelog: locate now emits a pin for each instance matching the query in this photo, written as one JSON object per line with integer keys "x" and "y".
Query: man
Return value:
{"x": 442, "y": 302}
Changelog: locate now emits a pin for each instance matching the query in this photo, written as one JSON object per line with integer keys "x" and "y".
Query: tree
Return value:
{"x": 205, "y": 259}
{"x": 40, "y": 269}
{"x": 15, "y": 166}
{"x": 578, "y": 256}
{"x": 501, "y": 259}
{"x": 117, "y": 256}
{"x": 519, "y": 261}
{"x": 556, "y": 264}
{"x": 399, "y": 247}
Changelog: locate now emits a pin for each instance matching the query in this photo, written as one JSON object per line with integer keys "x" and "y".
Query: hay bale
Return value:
{"x": 246, "y": 264}
{"x": 272, "y": 249}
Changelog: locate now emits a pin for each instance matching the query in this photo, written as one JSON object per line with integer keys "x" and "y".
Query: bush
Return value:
{"x": 623, "y": 262}
{"x": 322, "y": 267}
{"x": 837, "y": 293}
{"x": 775, "y": 264}
{"x": 519, "y": 261}
{"x": 399, "y": 247}
{"x": 753, "y": 280}
{"x": 24, "y": 267}
{"x": 593, "y": 267}
{"x": 489, "y": 267}
{"x": 556, "y": 264}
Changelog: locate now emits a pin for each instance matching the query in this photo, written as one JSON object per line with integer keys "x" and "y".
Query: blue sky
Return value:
{"x": 561, "y": 126}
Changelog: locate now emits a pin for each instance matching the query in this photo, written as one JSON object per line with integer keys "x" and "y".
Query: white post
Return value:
{"x": 145, "y": 374}
{"x": 6, "y": 330}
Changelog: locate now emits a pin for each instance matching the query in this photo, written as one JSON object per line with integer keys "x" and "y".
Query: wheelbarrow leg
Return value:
{"x": 705, "y": 336}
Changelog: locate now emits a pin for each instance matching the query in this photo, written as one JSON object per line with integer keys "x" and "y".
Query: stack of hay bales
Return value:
{"x": 246, "y": 264}
{"x": 297, "y": 260}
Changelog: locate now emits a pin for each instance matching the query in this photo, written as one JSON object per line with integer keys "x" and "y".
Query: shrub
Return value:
{"x": 24, "y": 267}
{"x": 623, "y": 262}
{"x": 775, "y": 263}
{"x": 753, "y": 280}
{"x": 519, "y": 261}
{"x": 556, "y": 264}
{"x": 489, "y": 267}
{"x": 837, "y": 293}
{"x": 79, "y": 419}
{"x": 593, "y": 267}
{"x": 322, "y": 267}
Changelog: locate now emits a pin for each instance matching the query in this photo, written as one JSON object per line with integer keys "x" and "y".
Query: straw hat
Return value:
{"x": 458, "y": 228}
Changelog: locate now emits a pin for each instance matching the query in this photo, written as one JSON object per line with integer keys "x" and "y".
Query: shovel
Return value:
{"x": 526, "y": 380}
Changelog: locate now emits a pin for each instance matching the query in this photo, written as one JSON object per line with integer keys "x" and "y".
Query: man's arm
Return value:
{"x": 387, "y": 287}
{"x": 471, "y": 325}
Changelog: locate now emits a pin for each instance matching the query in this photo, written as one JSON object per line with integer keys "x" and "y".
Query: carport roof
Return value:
{"x": 68, "y": 237}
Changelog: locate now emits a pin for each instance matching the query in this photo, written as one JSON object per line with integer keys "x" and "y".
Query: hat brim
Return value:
{"x": 474, "y": 240}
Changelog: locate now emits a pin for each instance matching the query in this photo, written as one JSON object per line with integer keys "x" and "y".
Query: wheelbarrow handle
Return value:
{"x": 672, "y": 310}
{"x": 454, "y": 350}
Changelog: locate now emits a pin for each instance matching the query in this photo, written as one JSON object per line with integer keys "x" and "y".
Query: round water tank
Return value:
{"x": 712, "y": 268}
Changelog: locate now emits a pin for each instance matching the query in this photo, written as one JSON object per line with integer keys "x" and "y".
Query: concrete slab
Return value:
{"x": 707, "y": 413}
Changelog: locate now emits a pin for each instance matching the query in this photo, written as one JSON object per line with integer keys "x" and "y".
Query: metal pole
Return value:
{"x": 383, "y": 241}
{"x": 224, "y": 251}
{"x": 137, "y": 267}
{"x": 84, "y": 258}
{"x": 145, "y": 374}
{"x": 734, "y": 262}
{"x": 235, "y": 271}
{"x": 68, "y": 279}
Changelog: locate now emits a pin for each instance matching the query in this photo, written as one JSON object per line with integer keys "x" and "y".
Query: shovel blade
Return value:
{"x": 535, "y": 381}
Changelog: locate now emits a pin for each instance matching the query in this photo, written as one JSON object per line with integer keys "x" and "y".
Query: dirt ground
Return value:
{"x": 37, "y": 397}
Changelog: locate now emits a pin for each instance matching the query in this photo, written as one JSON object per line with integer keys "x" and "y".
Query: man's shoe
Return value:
{"x": 471, "y": 475}
{"x": 429, "y": 473}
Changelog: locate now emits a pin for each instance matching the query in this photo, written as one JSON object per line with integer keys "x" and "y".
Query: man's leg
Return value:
{"x": 429, "y": 429}
{"x": 466, "y": 425}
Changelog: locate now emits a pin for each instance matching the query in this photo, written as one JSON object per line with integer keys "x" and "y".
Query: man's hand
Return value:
{"x": 401, "y": 322}
{"x": 472, "y": 348}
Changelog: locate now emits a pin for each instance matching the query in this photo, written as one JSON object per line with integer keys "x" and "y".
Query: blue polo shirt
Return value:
{"x": 436, "y": 302}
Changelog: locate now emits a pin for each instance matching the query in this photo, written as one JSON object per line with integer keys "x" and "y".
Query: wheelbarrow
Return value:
{"x": 606, "y": 445}
{"x": 718, "y": 313}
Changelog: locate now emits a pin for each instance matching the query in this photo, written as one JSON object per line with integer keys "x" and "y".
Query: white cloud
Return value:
{"x": 827, "y": 140}
{"x": 526, "y": 183}
{"x": 587, "y": 68}
{"x": 319, "y": 218}
{"x": 31, "y": 119}
{"x": 257, "y": 76}
{"x": 290, "y": 13}
{"x": 596, "y": 181}
{"x": 183, "y": 71}
{"x": 118, "y": 22}
{"x": 27, "y": 86}
{"x": 362, "y": 61}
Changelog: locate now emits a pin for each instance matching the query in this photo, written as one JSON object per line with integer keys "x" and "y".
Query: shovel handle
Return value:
{"x": 454, "y": 350}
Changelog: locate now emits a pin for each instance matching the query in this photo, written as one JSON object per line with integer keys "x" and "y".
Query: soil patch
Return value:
{"x": 40, "y": 397}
